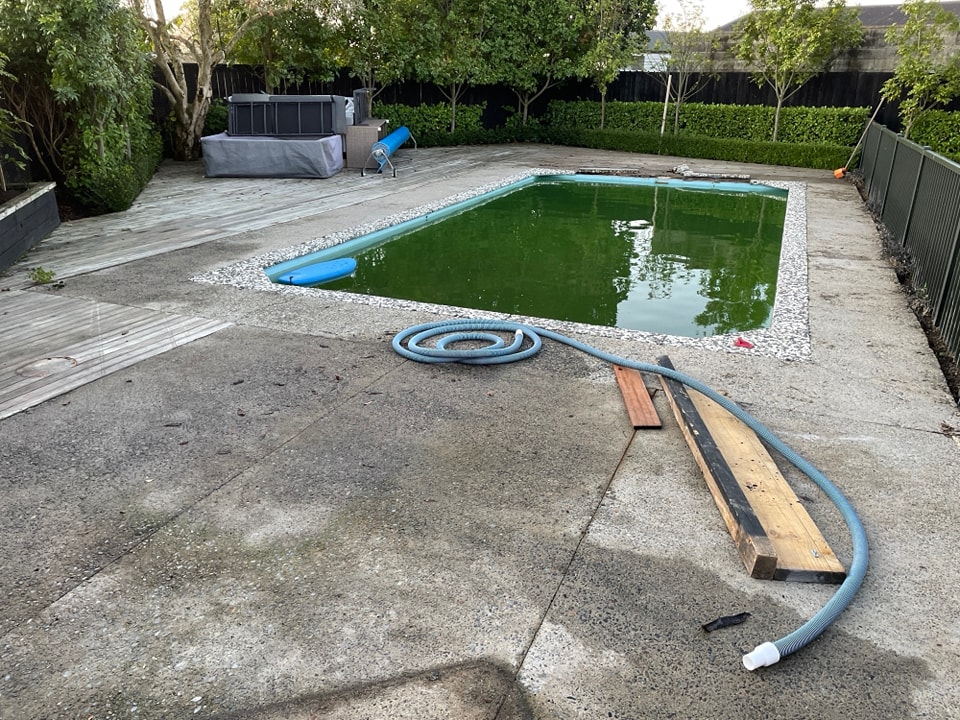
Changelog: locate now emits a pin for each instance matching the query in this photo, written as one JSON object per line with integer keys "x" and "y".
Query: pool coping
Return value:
{"x": 787, "y": 337}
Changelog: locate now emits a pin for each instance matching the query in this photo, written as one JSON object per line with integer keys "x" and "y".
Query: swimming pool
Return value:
{"x": 680, "y": 258}
{"x": 786, "y": 335}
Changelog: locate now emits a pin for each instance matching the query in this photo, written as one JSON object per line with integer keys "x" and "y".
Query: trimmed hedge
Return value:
{"x": 628, "y": 130}
{"x": 429, "y": 124}
{"x": 819, "y": 126}
{"x": 940, "y": 130}
{"x": 111, "y": 181}
{"x": 819, "y": 157}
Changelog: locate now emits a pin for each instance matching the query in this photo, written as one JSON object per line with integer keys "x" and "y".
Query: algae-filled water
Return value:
{"x": 663, "y": 259}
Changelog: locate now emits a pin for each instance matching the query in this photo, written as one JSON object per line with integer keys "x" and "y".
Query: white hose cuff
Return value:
{"x": 762, "y": 656}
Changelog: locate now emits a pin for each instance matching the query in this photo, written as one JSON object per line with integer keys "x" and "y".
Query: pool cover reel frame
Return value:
{"x": 383, "y": 149}
{"x": 447, "y": 333}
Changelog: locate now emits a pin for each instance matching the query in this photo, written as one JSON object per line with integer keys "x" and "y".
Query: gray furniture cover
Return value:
{"x": 232, "y": 156}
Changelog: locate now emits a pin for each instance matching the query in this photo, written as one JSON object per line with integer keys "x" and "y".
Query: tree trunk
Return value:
{"x": 776, "y": 117}
{"x": 453, "y": 107}
{"x": 603, "y": 106}
{"x": 680, "y": 96}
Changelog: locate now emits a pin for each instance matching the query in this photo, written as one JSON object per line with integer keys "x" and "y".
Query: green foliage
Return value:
{"x": 430, "y": 124}
{"x": 112, "y": 181}
{"x": 10, "y": 150}
{"x": 616, "y": 33}
{"x": 84, "y": 95}
{"x": 829, "y": 126}
{"x": 924, "y": 77}
{"x": 217, "y": 119}
{"x": 637, "y": 132}
{"x": 822, "y": 157}
{"x": 787, "y": 42}
{"x": 534, "y": 46}
{"x": 687, "y": 54}
{"x": 299, "y": 40}
{"x": 381, "y": 41}
{"x": 940, "y": 130}
{"x": 451, "y": 37}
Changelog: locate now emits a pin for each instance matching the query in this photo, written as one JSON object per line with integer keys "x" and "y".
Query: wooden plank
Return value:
{"x": 753, "y": 496}
{"x": 637, "y": 398}
{"x": 803, "y": 554}
{"x": 755, "y": 549}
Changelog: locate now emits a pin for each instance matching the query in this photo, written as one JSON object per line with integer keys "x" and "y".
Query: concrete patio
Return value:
{"x": 248, "y": 506}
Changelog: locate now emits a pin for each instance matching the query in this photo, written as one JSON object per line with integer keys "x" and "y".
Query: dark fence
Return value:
{"x": 916, "y": 194}
{"x": 834, "y": 89}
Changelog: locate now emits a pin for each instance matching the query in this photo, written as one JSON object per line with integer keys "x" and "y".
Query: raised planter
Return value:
{"x": 26, "y": 220}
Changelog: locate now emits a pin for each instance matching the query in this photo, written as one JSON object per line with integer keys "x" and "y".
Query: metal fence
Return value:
{"x": 916, "y": 194}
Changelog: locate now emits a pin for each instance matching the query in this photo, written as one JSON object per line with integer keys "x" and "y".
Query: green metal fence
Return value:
{"x": 916, "y": 194}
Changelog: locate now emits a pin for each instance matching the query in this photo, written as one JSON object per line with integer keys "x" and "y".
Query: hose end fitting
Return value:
{"x": 762, "y": 656}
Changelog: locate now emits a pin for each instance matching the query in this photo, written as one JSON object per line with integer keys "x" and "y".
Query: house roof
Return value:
{"x": 875, "y": 15}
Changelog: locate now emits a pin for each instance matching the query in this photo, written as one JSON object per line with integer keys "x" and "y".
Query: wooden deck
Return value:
{"x": 51, "y": 345}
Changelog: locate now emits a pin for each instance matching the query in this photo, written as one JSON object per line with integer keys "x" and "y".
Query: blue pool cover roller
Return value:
{"x": 383, "y": 149}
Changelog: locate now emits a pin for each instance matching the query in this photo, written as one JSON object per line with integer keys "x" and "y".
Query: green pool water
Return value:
{"x": 659, "y": 258}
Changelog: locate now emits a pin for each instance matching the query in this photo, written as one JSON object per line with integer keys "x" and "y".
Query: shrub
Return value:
{"x": 940, "y": 130}
{"x": 217, "y": 118}
{"x": 822, "y": 157}
{"x": 725, "y": 132}
{"x": 820, "y": 126}
{"x": 108, "y": 177}
{"x": 430, "y": 124}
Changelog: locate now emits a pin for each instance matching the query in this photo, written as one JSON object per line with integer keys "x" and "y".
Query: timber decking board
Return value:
{"x": 100, "y": 338}
{"x": 760, "y": 509}
{"x": 636, "y": 398}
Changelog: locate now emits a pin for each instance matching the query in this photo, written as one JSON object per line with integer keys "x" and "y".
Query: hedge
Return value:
{"x": 629, "y": 130}
{"x": 819, "y": 157}
{"x": 940, "y": 130}
{"x": 819, "y": 126}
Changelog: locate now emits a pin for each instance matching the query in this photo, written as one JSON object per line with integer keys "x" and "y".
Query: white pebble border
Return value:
{"x": 787, "y": 338}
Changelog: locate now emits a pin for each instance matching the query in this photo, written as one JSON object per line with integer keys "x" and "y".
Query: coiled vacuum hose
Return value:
{"x": 497, "y": 351}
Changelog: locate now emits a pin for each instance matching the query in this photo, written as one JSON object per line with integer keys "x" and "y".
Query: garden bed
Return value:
{"x": 25, "y": 219}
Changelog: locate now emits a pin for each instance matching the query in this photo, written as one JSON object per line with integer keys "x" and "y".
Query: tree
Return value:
{"x": 534, "y": 46}
{"x": 10, "y": 150}
{"x": 688, "y": 53}
{"x": 788, "y": 42}
{"x": 617, "y": 32}
{"x": 82, "y": 94}
{"x": 452, "y": 47}
{"x": 925, "y": 75}
{"x": 381, "y": 41}
{"x": 192, "y": 38}
{"x": 302, "y": 40}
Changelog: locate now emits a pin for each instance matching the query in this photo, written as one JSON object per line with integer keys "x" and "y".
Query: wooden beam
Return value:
{"x": 754, "y": 498}
{"x": 755, "y": 549}
{"x": 636, "y": 398}
{"x": 803, "y": 554}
